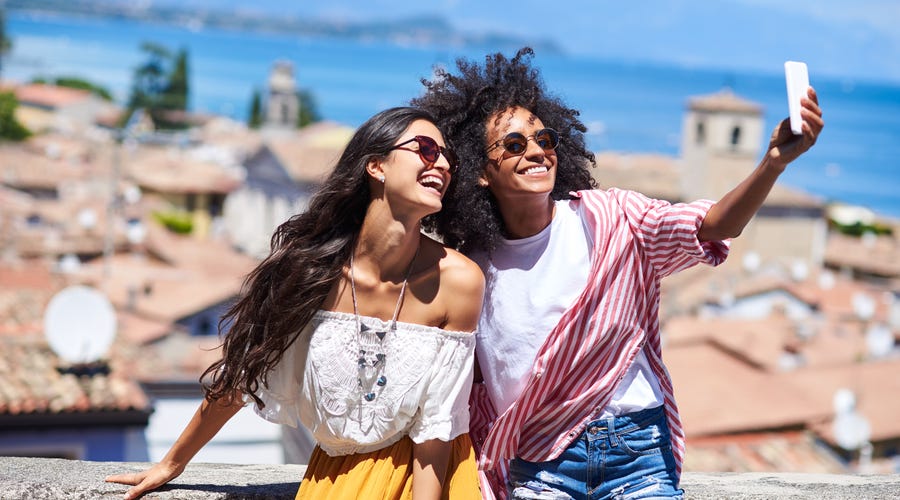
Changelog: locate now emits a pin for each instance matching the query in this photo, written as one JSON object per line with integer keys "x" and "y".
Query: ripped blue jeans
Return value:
{"x": 617, "y": 458}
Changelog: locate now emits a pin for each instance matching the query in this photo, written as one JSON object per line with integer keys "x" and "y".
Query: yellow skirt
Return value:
{"x": 386, "y": 474}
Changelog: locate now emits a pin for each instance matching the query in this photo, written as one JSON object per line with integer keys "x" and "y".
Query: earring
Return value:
{"x": 381, "y": 179}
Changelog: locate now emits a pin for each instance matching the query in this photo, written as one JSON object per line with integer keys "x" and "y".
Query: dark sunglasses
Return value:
{"x": 515, "y": 143}
{"x": 429, "y": 151}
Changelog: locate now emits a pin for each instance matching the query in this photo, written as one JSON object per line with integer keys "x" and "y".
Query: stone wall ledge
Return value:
{"x": 48, "y": 478}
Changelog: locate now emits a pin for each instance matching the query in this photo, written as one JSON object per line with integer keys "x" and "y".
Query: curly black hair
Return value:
{"x": 470, "y": 218}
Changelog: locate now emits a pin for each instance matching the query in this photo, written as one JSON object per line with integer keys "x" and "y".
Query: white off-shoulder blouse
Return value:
{"x": 428, "y": 371}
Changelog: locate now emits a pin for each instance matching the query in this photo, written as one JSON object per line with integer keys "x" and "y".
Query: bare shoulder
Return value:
{"x": 461, "y": 287}
{"x": 461, "y": 271}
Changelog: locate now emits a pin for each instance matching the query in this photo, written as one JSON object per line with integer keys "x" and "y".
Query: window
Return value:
{"x": 735, "y": 137}
{"x": 701, "y": 133}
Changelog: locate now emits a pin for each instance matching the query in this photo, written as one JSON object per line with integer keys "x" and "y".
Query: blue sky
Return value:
{"x": 857, "y": 39}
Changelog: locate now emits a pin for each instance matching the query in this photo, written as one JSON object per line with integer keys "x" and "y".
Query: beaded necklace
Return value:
{"x": 370, "y": 342}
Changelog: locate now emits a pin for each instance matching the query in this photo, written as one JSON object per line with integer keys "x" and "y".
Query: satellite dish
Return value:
{"x": 135, "y": 232}
{"x": 826, "y": 280}
{"x": 68, "y": 263}
{"x": 879, "y": 340}
{"x": 799, "y": 270}
{"x": 87, "y": 218}
{"x": 851, "y": 430}
{"x": 863, "y": 306}
{"x": 79, "y": 324}
{"x": 844, "y": 401}
{"x": 751, "y": 262}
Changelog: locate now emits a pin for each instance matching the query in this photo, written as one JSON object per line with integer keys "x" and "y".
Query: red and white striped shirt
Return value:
{"x": 636, "y": 241}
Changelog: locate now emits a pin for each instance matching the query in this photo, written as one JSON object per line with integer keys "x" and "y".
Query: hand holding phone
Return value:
{"x": 797, "y": 78}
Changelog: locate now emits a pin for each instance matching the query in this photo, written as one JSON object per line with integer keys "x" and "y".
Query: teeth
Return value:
{"x": 431, "y": 181}
{"x": 535, "y": 170}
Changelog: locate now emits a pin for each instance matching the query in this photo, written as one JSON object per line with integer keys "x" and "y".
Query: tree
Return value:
{"x": 160, "y": 86}
{"x": 10, "y": 128}
{"x": 309, "y": 112}
{"x": 175, "y": 95}
{"x": 5, "y": 42}
{"x": 150, "y": 78}
{"x": 255, "y": 119}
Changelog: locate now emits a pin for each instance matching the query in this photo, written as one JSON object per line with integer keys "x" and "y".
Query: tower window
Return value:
{"x": 701, "y": 133}
{"x": 735, "y": 137}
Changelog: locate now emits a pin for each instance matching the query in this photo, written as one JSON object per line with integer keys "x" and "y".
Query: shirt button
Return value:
{"x": 538, "y": 374}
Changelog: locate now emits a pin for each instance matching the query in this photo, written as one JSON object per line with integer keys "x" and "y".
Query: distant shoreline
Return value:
{"x": 421, "y": 30}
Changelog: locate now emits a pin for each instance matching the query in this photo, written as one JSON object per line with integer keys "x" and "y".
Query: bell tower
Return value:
{"x": 282, "y": 104}
{"x": 721, "y": 143}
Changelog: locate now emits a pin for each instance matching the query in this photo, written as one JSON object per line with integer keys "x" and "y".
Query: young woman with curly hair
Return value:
{"x": 575, "y": 400}
{"x": 359, "y": 327}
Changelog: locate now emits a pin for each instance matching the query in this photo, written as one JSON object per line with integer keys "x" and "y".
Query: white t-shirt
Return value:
{"x": 531, "y": 282}
{"x": 429, "y": 378}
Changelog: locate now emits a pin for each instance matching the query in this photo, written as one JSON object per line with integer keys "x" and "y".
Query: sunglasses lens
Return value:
{"x": 451, "y": 159}
{"x": 547, "y": 139}
{"x": 428, "y": 148}
{"x": 515, "y": 143}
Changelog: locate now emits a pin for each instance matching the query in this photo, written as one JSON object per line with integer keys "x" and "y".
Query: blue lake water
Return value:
{"x": 629, "y": 107}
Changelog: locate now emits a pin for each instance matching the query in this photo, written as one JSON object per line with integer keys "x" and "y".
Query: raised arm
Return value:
{"x": 206, "y": 422}
{"x": 728, "y": 217}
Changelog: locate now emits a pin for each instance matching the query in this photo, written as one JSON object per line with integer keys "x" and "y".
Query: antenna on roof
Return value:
{"x": 879, "y": 340}
{"x": 80, "y": 325}
{"x": 851, "y": 430}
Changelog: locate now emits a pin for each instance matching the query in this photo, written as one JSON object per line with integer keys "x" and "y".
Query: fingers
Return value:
{"x": 141, "y": 482}
{"x": 143, "y": 487}
{"x": 812, "y": 116}
{"x": 131, "y": 479}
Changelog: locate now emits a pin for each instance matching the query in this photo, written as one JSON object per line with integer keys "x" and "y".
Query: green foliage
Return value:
{"x": 175, "y": 94}
{"x": 160, "y": 85}
{"x": 76, "y": 83}
{"x": 859, "y": 229}
{"x": 255, "y": 119}
{"x": 177, "y": 221}
{"x": 309, "y": 112}
{"x": 10, "y": 128}
{"x": 5, "y": 41}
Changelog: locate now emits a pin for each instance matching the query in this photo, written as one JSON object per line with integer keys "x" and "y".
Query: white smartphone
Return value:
{"x": 797, "y": 77}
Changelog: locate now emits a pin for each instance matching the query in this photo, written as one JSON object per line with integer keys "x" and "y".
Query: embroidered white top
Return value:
{"x": 429, "y": 377}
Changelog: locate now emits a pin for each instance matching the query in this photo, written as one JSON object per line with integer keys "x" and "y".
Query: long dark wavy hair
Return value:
{"x": 470, "y": 218}
{"x": 281, "y": 295}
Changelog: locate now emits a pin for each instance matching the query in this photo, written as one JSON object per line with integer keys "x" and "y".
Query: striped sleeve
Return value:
{"x": 668, "y": 232}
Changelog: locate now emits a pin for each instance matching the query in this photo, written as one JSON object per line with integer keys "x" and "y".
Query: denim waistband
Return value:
{"x": 627, "y": 422}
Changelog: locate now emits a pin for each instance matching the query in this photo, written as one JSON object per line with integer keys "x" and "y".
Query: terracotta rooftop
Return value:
{"x": 651, "y": 174}
{"x": 724, "y": 100}
{"x": 788, "y": 451}
{"x": 51, "y": 96}
{"x": 310, "y": 153}
{"x": 194, "y": 254}
{"x": 876, "y": 385}
{"x": 26, "y": 287}
{"x": 156, "y": 290}
{"x": 31, "y": 385}
{"x": 772, "y": 344}
{"x": 171, "y": 170}
{"x": 177, "y": 357}
{"x": 875, "y": 255}
{"x": 719, "y": 394}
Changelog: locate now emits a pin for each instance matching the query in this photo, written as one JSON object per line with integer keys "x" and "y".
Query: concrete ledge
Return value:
{"x": 46, "y": 478}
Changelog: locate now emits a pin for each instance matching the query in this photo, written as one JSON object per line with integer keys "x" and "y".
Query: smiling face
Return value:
{"x": 408, "y": 177}
{"x": 511, "y": 175}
